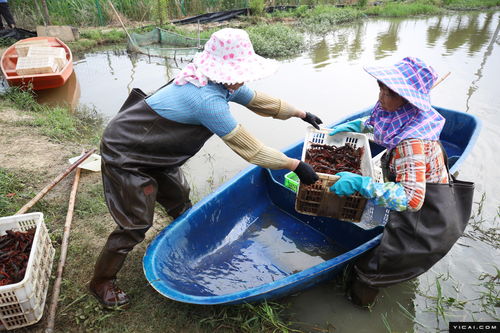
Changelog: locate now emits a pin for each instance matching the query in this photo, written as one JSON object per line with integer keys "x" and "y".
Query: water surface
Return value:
{"x": 255, "y": 252}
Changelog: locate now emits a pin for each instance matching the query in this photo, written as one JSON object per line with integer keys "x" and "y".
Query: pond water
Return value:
{"x": 329, "y": 80}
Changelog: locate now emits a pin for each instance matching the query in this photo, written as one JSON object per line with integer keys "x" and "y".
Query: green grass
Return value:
{"x": 323, "y": 19}
{"x": 403, "y": 9}
{"x": 276, "y": 40}
{"x": 490, "y": 294}
{"x": 17, "y": 188}
{"x": 92, "y": 38}
{"x": 60, "y": 124}
{"x": 11, "y": 189}
{"x": 86, "y": 12}
{"x": 470, "y": 4}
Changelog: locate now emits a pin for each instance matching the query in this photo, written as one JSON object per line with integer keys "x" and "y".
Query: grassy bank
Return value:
{"x": 60, "y": 124}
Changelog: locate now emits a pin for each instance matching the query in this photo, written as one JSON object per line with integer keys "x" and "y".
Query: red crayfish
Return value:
{"x": 15, "y": 247}
{"x": 332, "y": 160}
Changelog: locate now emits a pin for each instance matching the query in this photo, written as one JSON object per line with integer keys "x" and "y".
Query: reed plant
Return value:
{"x": 324, "y": 12}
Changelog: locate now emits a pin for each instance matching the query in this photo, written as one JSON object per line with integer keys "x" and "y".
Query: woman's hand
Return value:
{"x": 350, "y": 182}
{"x": 313, "y": 120}
{"x": 351, "y": 126}
{"x": 306, "y": 173}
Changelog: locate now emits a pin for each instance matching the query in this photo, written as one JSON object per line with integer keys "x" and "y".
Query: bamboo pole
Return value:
{"x": 119, "y": 18}
{"x": 441, "y": 80}
{"x": 56, "y": 180}
{"x": 64, "y": 251}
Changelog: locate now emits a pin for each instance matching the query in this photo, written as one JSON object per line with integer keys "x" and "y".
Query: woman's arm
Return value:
{"x": 406, "y": 193}
{"x": 254, "y": 151}
{"x": 409, "y": 164}
{"x": 268, "y": 106}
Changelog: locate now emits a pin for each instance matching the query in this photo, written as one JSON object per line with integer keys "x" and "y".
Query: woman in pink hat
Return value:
{"x": 145, "y": 144}
{"x": 423, "y": 225}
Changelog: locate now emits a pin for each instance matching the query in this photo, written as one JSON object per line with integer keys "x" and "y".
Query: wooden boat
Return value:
{"x": 8, "y": 64}
{"x": 245, "y": 242}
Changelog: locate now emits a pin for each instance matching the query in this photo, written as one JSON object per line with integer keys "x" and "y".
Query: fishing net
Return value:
{"x": 163, "y": 43}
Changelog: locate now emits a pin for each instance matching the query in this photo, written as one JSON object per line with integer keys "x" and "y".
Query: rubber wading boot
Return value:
{"x": 362, "y": 294}
{"x": 103, "y": 284}
{"x": 179, "y": 210}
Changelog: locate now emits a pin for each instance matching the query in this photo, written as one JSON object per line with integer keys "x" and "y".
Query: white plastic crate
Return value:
{"x": 22, "y": 303}
{"x": 316, "y": 199}
{"x": 23, "y": 46}
{"x": 59, "y": 53}
{"x": 36, "y": 65}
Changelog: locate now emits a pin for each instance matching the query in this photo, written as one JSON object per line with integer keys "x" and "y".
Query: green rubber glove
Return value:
{"x": 351, "y": 126}
{"x": 350, "y": 182}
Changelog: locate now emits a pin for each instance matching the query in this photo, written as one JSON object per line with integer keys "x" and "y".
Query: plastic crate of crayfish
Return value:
{"x": 22, "y": 303}
{"x": 316, "y": 199}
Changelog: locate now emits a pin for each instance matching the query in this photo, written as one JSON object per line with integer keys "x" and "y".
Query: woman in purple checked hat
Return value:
{"x": 422, "y": 225}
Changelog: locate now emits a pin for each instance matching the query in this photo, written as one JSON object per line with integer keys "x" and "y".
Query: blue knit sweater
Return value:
{"x": 207, "y": 106}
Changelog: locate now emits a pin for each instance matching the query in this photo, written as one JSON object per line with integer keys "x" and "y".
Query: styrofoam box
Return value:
{"x": 22, "y": 46}
{"x": 36, "y": 65}
{"x": 59, "y": 53}
{"x": 22, "y": 303}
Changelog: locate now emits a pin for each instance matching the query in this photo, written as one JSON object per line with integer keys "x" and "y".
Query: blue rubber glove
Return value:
{"x": 350, "y": 182}
{"x": 351, "y": 126}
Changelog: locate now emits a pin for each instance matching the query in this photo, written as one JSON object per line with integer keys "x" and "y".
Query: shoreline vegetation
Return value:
{"x": 271, "y": 33}
{"x": 62, "y": 133}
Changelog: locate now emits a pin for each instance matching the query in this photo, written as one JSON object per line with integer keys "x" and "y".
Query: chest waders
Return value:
{"x": 141, "y": 155}
{"x": 413, "y": 242}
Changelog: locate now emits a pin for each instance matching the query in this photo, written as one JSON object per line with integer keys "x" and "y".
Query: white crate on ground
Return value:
{"x": 23, "y": 46}
{"x": 59, "y": 53}
{"x": 36, "y": 65}
{"x": 22, "y": 303}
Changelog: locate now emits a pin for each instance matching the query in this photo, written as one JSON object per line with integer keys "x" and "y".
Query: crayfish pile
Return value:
{"x": 331, "y": 159}
{"x": 15, "y": 247}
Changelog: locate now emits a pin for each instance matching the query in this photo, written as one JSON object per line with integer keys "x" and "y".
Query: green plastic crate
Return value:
{"x": 292, "y": 181}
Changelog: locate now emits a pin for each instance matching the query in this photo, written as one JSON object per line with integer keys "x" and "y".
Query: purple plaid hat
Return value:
{"x": 411, "y": 78}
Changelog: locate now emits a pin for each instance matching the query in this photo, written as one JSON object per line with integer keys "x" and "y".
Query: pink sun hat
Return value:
{"x": 228, "y": 57}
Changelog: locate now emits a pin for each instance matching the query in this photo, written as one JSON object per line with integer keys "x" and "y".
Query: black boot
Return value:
{"x": 177, "y": 211}
{"x": 103, "y": 284}
{"x": 362, "y": 294}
